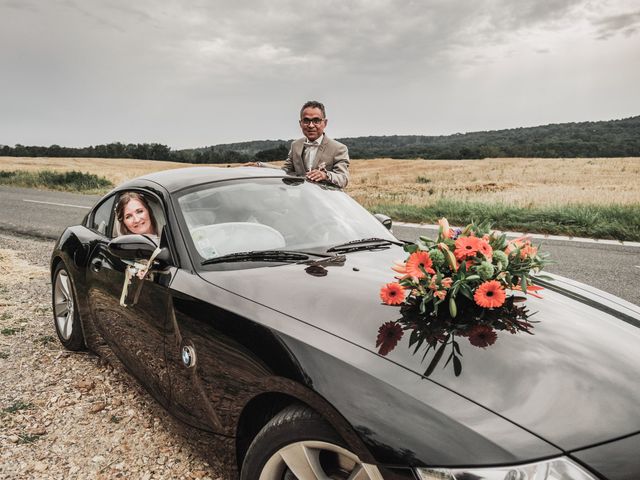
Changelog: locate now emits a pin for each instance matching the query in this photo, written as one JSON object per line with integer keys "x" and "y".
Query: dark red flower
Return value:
{"x": 389, "y": 334}
{"x": 482, "y": 336}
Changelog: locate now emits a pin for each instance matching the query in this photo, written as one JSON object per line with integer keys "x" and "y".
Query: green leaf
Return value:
{"x": 425, "y": 353}
{"x": 436, "y": 359}
{"x": 473, "y": 277}
{"x": 466, "y": 291}
{"x": 448, "y": 360}
{"x": 457, "y": 366}
{"x": 411, "y": 248}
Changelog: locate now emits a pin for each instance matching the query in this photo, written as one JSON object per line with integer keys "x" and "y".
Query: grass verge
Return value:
{"x": 618, "y": 222}
{"x": 72, "y": 181}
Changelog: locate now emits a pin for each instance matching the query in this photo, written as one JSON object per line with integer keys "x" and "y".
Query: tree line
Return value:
{"x": 613, "y": 138}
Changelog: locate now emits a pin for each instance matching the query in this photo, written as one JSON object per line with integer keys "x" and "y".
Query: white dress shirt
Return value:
{"x": 310, "y": 151}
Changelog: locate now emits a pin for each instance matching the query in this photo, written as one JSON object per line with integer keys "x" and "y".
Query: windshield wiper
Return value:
{"x": 260, "y": 256}
{"x": 266, "y": 256}
{"x": 363, "y": 244}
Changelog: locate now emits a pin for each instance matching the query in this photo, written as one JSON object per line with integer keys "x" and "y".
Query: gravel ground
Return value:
{"x": 66, "y": 415}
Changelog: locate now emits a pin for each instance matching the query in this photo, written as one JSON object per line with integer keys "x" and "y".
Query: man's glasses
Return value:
{"x": 315, "y": 120}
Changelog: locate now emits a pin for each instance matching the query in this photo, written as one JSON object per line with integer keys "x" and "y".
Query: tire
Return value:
{"x": 298, "y": 444}
{"x": 66, "y": 318}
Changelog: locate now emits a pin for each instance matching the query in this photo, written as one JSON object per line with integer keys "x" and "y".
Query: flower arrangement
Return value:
{"x": 463, "y": 284}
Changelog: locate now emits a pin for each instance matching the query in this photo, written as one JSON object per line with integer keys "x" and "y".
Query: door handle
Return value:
{"x": 96, "y": 265}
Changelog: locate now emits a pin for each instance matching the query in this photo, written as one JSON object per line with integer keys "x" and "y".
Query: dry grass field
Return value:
{"x": 512, "y": 181}
{"x": 117, "y": 170}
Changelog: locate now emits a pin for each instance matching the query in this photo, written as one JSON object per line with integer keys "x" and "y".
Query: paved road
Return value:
{"x": 613, "y": 268}
{"x": 41, "y": 213}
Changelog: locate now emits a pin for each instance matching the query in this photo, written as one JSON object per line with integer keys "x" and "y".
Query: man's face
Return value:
{"x": 312, "y": 123}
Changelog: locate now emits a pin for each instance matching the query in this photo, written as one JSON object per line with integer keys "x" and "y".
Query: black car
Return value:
{"x": 257, "y": 321}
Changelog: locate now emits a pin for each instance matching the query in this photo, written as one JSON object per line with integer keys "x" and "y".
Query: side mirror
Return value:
{"x": 136, "y": 247}
{"x": 384, "y": 220}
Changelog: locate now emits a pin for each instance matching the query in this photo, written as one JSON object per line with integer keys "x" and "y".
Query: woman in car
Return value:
{"x": 134, "y": 215}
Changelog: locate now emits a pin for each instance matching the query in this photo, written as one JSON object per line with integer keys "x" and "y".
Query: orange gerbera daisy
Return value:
{"x": 417, "y": 262}
{"x": 466, "y": 247}
{"x": 485, "y": 249}
{"x": 490, "y": 295}
{"x": 392, "y": 294}
{"x": 400, "y": 268}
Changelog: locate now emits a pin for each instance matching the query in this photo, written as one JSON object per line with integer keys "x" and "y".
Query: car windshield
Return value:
{"x": 261, "y": 214}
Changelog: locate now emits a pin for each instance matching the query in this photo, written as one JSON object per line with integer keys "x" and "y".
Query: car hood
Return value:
{"x": 573, "y": 383}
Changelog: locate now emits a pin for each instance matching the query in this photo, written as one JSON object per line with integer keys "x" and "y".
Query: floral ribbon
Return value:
{"x": 139, "y": 270}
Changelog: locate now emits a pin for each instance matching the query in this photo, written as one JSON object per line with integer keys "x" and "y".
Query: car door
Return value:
{"x": 135, "y": 332}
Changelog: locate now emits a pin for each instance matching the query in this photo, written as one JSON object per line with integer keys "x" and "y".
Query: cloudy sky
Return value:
{"x": 189, "y": 73}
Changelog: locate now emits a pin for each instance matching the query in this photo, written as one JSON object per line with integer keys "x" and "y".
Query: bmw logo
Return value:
{"x": 188, "y": 356}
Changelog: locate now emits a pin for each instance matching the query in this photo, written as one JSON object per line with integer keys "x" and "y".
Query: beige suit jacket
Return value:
{"x": 334, "y": 155}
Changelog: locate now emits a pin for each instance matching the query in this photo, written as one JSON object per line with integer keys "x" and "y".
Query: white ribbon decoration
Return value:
{"x": 140, "y": 270}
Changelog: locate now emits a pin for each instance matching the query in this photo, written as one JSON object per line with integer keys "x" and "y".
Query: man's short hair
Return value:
{"x": 313, "y": 104}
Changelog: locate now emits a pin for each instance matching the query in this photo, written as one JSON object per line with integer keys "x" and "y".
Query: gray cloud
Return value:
{"x": 198, "y": 72}
{"x": 627, "y": 24}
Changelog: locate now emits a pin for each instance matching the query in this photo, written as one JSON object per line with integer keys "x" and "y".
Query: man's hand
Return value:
{"x": 317, "y": 175}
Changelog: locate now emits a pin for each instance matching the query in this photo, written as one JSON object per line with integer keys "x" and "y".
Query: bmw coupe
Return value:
{"x": 252, "y": 310}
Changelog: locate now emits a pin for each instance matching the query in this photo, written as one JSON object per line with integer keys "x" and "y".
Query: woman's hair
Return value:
{"x": 124, "y": 199}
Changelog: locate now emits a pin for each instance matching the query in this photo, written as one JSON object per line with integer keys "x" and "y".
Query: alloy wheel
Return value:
{"x": 316, "y": 460}
{"x": 63, "y": 307}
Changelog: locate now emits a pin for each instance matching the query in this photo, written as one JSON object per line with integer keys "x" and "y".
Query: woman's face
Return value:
{"x": 136, "y": 218}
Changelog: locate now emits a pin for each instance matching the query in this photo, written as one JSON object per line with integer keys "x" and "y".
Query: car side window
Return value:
{"x": 157, "y": 214}
{"x": 102, "y": 216}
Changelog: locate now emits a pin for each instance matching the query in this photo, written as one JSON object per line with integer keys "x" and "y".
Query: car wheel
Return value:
{"x": 65, "y": 312}
{"x": 298, "y": 444}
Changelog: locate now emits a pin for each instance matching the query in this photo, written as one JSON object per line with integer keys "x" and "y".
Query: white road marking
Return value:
{"x": 53, "y": 203}
{"x": 537, "y": 236}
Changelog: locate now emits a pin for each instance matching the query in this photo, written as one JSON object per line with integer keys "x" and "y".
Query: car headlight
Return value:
{"x": 556, "y": 469}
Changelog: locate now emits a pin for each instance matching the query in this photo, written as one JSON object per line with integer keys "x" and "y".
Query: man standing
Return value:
{"x": 316, "y": 156}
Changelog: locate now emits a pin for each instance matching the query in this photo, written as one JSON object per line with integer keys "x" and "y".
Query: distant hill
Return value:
{"x": 612, "y": 138}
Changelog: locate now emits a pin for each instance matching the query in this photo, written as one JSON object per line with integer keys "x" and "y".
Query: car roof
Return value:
{"x": 179, "y": 178}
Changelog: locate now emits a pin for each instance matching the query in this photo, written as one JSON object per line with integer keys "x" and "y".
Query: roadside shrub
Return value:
{"x": 67, "y": 181}
{"x": 618, "y": 222}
